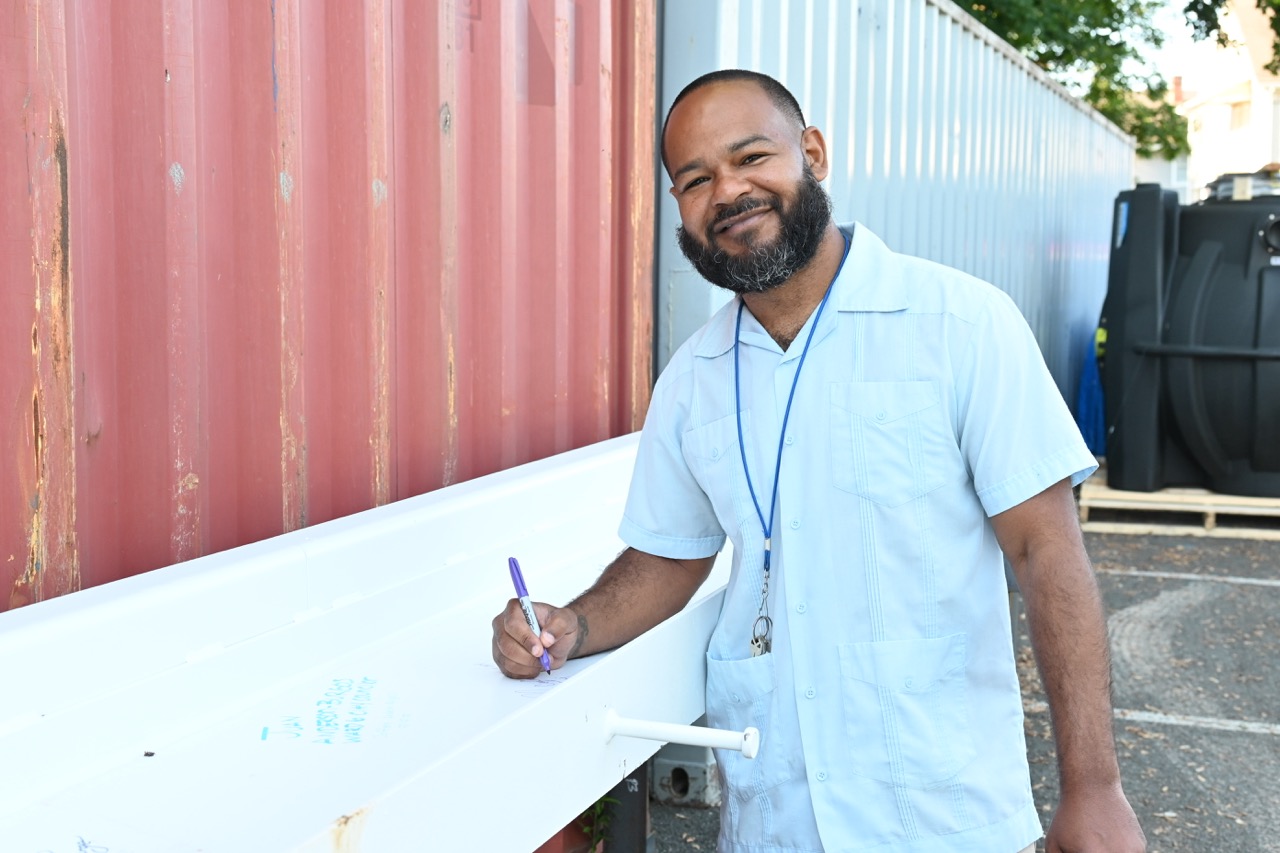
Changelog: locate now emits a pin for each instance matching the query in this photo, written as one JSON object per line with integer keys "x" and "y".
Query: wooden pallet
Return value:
{"x": 1160, "y": 512}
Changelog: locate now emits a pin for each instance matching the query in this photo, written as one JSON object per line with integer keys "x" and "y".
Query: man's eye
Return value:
{"x": 751, "y": 158}
{"x": 695, "y": 182}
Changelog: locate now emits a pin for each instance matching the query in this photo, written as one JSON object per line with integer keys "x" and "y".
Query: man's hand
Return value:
{"x": 518, "y": 652}
{"x": 635, "y": 592}
{"x": 1095, "y": 820}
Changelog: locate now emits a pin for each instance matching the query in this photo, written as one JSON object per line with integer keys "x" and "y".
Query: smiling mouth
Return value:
{"x": 745, "y": 218}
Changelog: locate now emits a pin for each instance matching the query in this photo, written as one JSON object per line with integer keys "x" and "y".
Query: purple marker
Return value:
{"x": 522, "y": 594}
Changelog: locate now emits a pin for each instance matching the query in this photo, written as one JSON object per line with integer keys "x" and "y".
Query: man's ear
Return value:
{"x": 814, "y": 147}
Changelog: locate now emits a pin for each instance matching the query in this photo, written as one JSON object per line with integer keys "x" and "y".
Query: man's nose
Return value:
{"x": 728, "y": 188}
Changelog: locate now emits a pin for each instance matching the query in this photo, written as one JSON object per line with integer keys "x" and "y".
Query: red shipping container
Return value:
{"x": 265, "y": 265}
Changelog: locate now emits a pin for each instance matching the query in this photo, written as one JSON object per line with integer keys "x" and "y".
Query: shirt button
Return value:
{"x": 802, "y": 607}
{"x": 880, "y": 416}
{"x": 715, "y": 453}
{"x": 908, "y": 684}
{"x": 822, "y": 775}
{"x": 811, "y": 693}
{"x": 791, "y": 439}
{"x": 795, "y": 524}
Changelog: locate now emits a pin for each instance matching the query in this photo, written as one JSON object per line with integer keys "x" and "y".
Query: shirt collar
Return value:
{"x": 869, "y": 281}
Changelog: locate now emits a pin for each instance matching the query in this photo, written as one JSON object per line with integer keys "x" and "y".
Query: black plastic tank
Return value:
{"x": 1191, "y": 369}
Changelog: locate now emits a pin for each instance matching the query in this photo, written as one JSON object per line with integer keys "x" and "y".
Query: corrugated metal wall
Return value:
{"x": 945, "y": 142}
{"x": 270, "y": 263}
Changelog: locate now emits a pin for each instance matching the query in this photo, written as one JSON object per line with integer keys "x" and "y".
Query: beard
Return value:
{"x": 764, "y": 266}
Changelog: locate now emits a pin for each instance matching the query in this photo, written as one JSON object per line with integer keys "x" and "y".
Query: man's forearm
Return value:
{"x": 1069, "y": 637}
{"x": 635, "y": 592}
{"x": 1042, "y": 541}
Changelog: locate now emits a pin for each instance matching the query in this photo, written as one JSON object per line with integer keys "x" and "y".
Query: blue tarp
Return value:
{"x": 1089, "y": 409}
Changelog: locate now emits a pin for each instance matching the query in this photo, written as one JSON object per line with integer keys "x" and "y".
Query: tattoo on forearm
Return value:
{"x": 582, "y": 636}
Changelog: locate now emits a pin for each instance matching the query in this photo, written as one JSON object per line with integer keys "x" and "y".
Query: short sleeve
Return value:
{"x": 667, "y": 512}
{"x": 1017, "y": 434}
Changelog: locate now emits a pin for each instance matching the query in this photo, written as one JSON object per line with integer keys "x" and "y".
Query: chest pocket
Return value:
{"x": 712, "y": 454}
{"x": 890, "y": 441}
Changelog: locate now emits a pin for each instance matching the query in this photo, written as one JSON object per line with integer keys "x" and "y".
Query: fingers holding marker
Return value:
{"x": 526, "y": 606}
{"x": 542, "y": 644}
{"x": 531, "y": 637}
{"x": 513, "y": 642}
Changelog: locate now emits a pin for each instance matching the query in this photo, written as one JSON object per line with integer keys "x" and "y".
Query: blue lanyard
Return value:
{"x": 767, "y": 526}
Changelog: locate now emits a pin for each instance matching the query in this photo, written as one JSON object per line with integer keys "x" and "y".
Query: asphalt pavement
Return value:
{"x": 1195, "y": 638}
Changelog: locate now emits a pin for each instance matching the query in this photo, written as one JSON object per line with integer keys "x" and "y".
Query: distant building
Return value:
{"x": 1233, "y": 115}
{"x": 1170, "y": 174}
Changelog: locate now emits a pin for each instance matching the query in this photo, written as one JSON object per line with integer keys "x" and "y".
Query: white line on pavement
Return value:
{"x": 1190, "y": 576}
{"x": 1214, "y": 723}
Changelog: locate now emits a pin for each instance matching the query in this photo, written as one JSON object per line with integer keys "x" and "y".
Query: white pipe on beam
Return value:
{"x": 747, "y": 742}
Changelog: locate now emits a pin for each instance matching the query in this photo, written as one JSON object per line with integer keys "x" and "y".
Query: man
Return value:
{"x": 871, "y": 431}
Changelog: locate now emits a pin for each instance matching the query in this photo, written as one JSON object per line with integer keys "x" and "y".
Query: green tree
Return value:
{"x": 1097, "y": 49}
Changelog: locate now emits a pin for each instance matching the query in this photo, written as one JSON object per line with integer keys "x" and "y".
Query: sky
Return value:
{"x": 1200, "y": 64}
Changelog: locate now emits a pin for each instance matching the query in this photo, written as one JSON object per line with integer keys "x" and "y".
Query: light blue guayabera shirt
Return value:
{"x": 889, "y": 708}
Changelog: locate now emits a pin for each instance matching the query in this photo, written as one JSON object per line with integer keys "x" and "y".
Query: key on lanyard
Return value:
{"x": 761, "y": 644}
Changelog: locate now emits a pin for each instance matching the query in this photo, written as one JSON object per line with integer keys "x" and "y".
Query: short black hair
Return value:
{"x": 778, "y": 93}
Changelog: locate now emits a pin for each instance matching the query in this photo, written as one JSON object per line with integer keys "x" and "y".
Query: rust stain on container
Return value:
{"x": 378, "y": 13}
{"x": 448, "y": 275}
{"x": 51, "y": 565}
{"x": 341, "y": 254}
{"x": 187, "y": 355}
{"x": 637, "y": 329}
{"x": 291, "y": 319}
{"x": 61, "y": 557}
{"x": 445, "y": 180}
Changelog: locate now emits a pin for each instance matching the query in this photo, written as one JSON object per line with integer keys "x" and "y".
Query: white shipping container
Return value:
{"x": 944, "y": 141}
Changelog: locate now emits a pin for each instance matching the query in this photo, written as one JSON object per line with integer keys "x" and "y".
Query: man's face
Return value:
{"x": 751, "y": 208}
{"x": 764, "y": 264}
